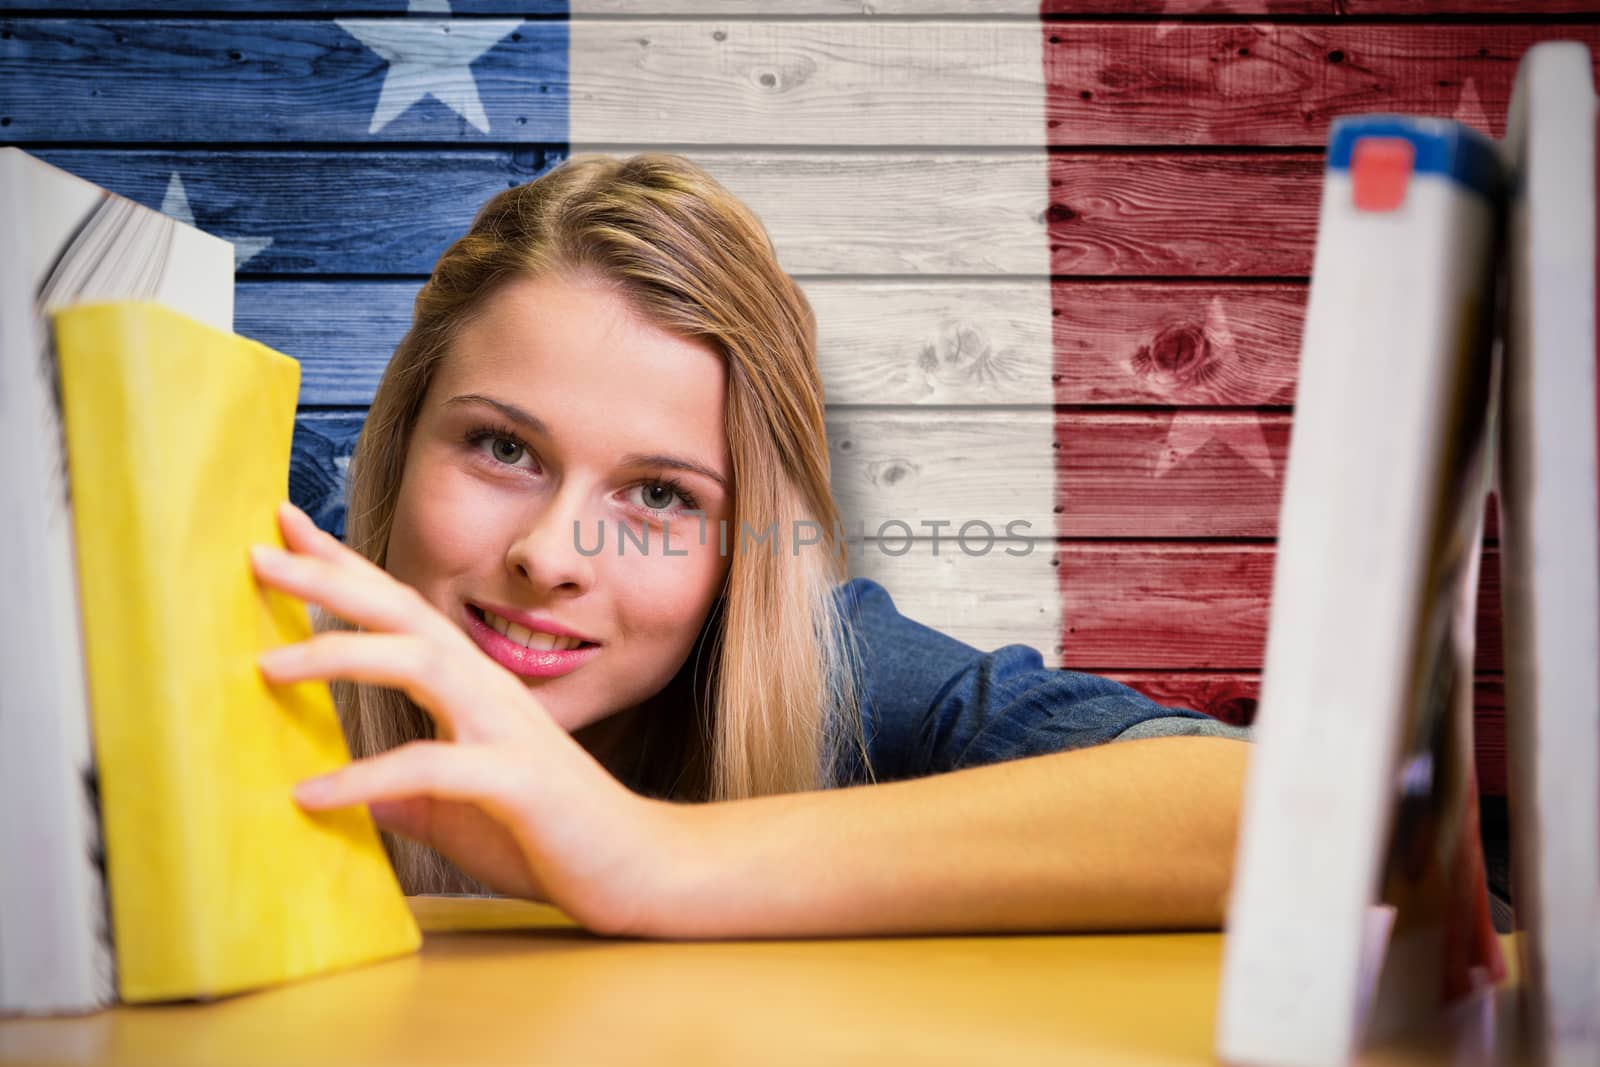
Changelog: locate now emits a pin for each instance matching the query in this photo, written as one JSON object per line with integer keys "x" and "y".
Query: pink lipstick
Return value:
{"x": 526, "y": 662}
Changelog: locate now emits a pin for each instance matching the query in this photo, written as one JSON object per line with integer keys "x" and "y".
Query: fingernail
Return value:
{"x": 314, "y": 790}
{"x": 276, "y": 660}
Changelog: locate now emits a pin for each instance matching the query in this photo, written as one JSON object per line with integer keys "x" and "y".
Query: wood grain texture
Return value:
{"x": 343, "y": 346}
{"x": 951, "y": 465}
{"x": 1122, "y": 605}
{"x": 333, "y": 211}
{"x": 979, "y": 83}
{"x": 865, "y": 9}
{"x": 891, "y": 213}
{"x": 1186, "y": 474}
{"x": 1264, "y": 83}
{"x": 1203, "y": 606}
{"x": 319, "y": 463}
{"x": 894, "y": 212}
{"x": 999, "y": 83}
{"x": 288, "y": 7}
{"x": 957, "y": 343}
{"x": 1424, "y": 9}
{"x": 1175, "y": 343}
{"x": 818, "y": 83}
{"x": 1208, "y": 213}
{"x": 987, "y": 601}
{"x": 199, "y": 81}
{"x": 388, "y": 212}
{"x": 1028, "y": 9}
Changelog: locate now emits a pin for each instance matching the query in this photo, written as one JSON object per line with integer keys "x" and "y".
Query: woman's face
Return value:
{"x": 558, "y": 406}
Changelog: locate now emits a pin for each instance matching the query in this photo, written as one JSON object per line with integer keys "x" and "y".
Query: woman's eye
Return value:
{"x": 502, "y": 449}
{"x": 506, "y": 451}
{"x": 660, "y": 496}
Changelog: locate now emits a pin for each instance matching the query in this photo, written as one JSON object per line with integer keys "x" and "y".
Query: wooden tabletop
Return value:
{"x": 501, "y": 981}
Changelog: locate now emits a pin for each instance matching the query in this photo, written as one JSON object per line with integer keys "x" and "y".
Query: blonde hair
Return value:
{"x": 776, "y": 702}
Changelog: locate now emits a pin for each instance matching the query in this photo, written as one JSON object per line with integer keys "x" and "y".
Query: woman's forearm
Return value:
{"x": 1132, "y": 835}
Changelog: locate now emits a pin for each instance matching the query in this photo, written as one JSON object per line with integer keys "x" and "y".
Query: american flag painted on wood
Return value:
{"x": 1058, "y": 257}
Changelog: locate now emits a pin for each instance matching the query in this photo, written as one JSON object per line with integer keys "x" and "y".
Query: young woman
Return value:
{"x": 593, "y": 644}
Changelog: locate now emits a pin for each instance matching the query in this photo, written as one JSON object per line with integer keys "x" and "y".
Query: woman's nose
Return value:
{"x": 546, "y": 554}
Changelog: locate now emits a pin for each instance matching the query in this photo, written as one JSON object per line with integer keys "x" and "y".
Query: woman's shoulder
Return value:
{"x": 931, "y": 703}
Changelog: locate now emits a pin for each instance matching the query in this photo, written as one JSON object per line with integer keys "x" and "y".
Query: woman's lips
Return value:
{"x": 527, "y": 662}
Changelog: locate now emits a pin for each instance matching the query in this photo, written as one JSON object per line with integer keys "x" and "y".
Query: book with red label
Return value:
{"x": 1359, "y": 904}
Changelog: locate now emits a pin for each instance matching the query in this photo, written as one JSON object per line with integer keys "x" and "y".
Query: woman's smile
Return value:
{"x": 526, "y": 652}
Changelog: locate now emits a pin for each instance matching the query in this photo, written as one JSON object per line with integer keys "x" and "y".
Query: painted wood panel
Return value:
{"x": 1208, "y": 344}
{"x": 906, "y": 183}
{"x": 742, "y": 82}
{"x": 1116, "y": 475}
{"x": 1029, "y": 9}
{"x": 978, "y": 82}
{"x": 987, "y": 601}
{"x": 326, "y": 211}
{"x": 1123, "y": 605}
{"x": 284, "y": 80}
{"x": 1096, "y": 214}
{"x": 955, "y": 82}
{"x": 864, "y": 9}
{"x": 1201, "y": 605}
{"x": 1432, "y": 9}
{"x": 900, "y": 341}
{"x": 1214, "y": 214}
{"x": 1264, "y": 83}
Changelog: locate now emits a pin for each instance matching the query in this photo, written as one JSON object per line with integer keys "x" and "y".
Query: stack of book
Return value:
{"x": 150, "y": 846}
{"x": 1449, "y": 342}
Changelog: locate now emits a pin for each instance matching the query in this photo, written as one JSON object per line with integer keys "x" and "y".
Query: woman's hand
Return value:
{"x": 505, "y": 792}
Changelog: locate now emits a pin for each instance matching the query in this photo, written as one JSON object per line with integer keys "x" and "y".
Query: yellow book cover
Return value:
{"x": 178, "y": 440}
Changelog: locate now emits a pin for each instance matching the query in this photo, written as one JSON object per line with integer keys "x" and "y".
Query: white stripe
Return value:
{"x": 865, "y": 9}
{"x": 892, "y": 150}
{"x": 806, "y": 83}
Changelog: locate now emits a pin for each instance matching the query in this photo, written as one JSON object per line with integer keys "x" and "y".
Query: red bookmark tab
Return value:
{"x": 1380, "y": 169}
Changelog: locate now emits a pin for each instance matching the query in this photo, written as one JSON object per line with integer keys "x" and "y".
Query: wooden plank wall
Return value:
{"x": 1059, "y": 257}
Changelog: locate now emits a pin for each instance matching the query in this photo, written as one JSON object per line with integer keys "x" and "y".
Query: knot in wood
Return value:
{"x": 1179, "y": 354}
{"x": 1058, "y": 213}
{"x": 891, "y": 472}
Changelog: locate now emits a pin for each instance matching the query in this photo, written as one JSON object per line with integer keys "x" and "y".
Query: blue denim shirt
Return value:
{"x": 930, "y": 703}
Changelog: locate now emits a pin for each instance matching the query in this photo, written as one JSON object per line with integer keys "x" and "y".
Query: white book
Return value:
{"x": 62, "y": 240}
{"x": 1550, "y": 551}
{"x": 1345, "y": 919}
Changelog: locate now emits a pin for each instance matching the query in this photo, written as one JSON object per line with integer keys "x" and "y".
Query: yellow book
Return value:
{"x": 178, "y": 439}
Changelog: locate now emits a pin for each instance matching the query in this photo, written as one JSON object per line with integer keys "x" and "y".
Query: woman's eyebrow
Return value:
{"x": 632, "y": 459}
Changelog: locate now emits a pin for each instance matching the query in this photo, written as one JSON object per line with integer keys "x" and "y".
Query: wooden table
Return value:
{"x": 502, "y": 982}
